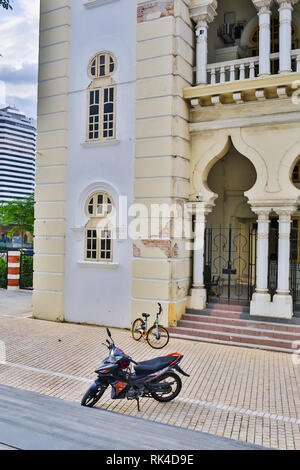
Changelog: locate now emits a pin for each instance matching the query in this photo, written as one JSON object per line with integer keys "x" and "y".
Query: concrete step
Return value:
{"x": 239, "y": 344}
{"x": 230, "y": 337}
{"x": 244, "y": 323}
{"x": 234, "y": 311}
{"x": 241, "y": 330}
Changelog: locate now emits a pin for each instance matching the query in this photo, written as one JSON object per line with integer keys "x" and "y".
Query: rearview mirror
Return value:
{"x": 108, "y": 332}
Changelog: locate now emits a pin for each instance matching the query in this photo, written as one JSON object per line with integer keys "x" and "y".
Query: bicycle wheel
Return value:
{"x": 92, "y": 396}
{"x": 158, "y": 337}
{"x": 170, "y": 387}
{"x": 136, "y": 328}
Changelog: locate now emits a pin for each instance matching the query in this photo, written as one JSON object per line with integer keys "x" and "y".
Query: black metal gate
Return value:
{"x": 295, "y": 268}
{"x": 3, "y": 269}
{"x": 26, "y": 270}
{"x": 230, "y": 263}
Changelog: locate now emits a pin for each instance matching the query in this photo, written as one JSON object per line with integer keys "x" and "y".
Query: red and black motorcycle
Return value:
{"x": 153, "y": 379}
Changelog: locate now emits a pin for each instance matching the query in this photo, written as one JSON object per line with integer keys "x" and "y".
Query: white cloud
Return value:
{"x": 19, "y": 32}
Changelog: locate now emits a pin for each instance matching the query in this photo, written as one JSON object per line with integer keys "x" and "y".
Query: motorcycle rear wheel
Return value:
{"x": 171, "y": 393}
{"x": 92, "y": 396}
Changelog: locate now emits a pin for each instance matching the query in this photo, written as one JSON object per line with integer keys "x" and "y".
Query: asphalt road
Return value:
{"x": 30, "y": 421}
{"x": 16, "y": 303}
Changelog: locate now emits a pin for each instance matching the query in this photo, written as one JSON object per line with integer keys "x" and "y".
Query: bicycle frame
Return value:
{"x": 145, "y": 324}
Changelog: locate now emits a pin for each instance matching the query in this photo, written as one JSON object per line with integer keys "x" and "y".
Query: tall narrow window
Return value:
{"x": 106, "y": 245}
{"x": 99, "y": 232}
{"x": 102, "y": 98}
{"x": 94, "y": 114}
{"x": 109, "y": 113}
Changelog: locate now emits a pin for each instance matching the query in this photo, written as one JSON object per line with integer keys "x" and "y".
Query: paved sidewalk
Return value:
{"x": 243, "y": 394}
{"x": 29, "y": 421}
{"x": 16, "y": 303}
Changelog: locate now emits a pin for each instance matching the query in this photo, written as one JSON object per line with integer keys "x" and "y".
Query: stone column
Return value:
{"x": 261, "y": 300}
{"x": 285, "y": 41}
{"x": 264, "y": 14}
{"x": 262, "y": 261}
{"x": 202, "y": 14}
{"x": 198, "y": 293}
{"x": 283, "y": 302}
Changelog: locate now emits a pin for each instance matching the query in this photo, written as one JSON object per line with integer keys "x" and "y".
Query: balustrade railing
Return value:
{"x": 296, "y": 57}
{"x": 232, "y": 70}
{"x": 242, "y": 69}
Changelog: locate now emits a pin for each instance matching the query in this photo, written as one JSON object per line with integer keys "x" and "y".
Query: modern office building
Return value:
{"x": 17, "y": 154}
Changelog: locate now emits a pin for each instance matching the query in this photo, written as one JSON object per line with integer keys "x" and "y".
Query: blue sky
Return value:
{"x": 19, "y": 33}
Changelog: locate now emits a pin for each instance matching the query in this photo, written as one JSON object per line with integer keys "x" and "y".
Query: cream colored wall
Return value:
{"x": 165, "y": 57}
{"x": 272, "y": 149}
{"x": 52, "y": 151}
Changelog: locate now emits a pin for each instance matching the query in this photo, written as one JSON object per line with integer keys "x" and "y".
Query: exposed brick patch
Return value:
{"x": 164, "y": 245}
{"x": 155, "y": 9}
{"x": 136, "y": 251}
{"x": 175, "y": 251}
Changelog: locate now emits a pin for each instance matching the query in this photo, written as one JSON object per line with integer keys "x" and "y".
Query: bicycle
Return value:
{"x": 157, "y": 336}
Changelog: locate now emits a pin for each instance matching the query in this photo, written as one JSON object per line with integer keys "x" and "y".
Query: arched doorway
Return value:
{"x": 230, "y": 238}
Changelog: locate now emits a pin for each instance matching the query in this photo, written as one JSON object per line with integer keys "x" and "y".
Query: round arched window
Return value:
{"x": 102, "y": 65}
{"x": 99, "y": 205}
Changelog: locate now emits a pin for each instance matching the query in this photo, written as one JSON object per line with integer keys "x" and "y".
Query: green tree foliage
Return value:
{"x": 20, "y": 214}
{"x": 6, "y": 4}
{"x": 3, "y": 273}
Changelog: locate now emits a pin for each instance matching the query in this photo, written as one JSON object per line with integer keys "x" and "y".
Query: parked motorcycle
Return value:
{"x": 153, "y": 379}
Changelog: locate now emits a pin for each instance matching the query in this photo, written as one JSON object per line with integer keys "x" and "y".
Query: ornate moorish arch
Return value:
{"x": 286, "y": 168}
{"x": 214, "y": 147}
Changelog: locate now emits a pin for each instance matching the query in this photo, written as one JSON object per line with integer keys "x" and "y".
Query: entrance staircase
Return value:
{"x": 232, "y": 325}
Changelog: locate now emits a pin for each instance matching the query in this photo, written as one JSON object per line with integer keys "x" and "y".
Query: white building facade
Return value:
{"x": 100, "y": 167}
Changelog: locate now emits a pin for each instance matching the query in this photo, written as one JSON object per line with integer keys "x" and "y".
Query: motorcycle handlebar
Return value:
{"x": 133, "y": 362}
{"x": 160, "y": 309}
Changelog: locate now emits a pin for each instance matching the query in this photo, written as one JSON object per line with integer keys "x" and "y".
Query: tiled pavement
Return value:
{"x": 240, "y": 393}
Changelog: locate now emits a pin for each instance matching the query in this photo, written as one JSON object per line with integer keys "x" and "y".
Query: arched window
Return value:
{"x": 99, "y": 230}
{"x": 102, "y": 65}
{"x": 102, "y": 98}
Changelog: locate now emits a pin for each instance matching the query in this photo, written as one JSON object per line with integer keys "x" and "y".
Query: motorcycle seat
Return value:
{"x": 147, "y": 367}
{"x": 145, "y": 315}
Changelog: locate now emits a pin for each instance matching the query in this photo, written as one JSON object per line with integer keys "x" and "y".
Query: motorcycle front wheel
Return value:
{"x": 92, "y": 396}
{"x": 171, "y": 386}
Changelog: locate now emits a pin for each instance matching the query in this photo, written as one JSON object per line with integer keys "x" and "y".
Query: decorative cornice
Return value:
{"x": 100, "y": 143}
{"x": 204, "y": 12}
{"x": 243, "y": 86}
{"x": 263, "y": 213}
{"x": 98, "y": 265}
{"x": 98, "y": 3}
{"x": 285, "y": 213}
{"x": 262, "y": 4}
{"x": 286, "y": 3}
{"x": 200, "y": 208}
{"x": 283, "y": 118}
